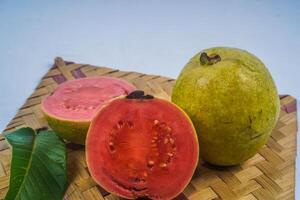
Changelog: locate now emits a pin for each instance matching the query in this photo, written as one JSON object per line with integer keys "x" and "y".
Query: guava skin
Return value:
{"x": 233, "y": 104}
{"x": 69, "y": 130}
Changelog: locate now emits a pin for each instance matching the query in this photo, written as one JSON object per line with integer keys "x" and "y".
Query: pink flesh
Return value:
{"x": 80, "y": 99}
{"x": 125, "y": 164}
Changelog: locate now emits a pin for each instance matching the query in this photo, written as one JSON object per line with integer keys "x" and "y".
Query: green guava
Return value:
{"x": 232, "y": 100}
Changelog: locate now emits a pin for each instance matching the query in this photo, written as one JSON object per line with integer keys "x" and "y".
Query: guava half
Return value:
{"x": 232, "y": 100}
{"x": 141, "y": 146}
{"x": 71, "y": 107}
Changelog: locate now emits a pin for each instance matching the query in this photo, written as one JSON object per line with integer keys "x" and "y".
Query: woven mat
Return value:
{"x": 270, "y": 174}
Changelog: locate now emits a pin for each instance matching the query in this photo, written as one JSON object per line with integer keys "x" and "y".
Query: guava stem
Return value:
{"x": 139, "y": 94}
{"x": 209, "y": 60}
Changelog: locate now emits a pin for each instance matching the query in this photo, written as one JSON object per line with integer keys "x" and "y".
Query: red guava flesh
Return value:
{"x": 142, "y": 148}
{"x": 73, "y": 104}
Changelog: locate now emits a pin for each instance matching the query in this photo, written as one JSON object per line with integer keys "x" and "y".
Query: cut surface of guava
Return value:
{"x": 79, "y": 99}
{"x": 142, "y": 148}
{"x": 71, "y": 107}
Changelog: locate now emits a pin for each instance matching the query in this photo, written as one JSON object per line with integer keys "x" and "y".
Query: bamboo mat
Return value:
{"x": 270, "y": 174}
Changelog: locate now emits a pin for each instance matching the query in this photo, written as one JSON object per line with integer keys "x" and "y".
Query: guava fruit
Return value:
{"x": 71, "y": 107}
{"x": 141, "y": 146}
{"x": 232, "y": 100}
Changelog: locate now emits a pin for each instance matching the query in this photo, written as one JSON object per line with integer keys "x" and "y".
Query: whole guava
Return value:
{"x": 232, "y": 100}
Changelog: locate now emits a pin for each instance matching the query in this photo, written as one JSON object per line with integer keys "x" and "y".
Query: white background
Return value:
{"x": 156, "y": 37}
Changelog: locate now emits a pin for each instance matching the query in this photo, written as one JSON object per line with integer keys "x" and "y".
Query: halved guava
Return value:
{"x": 71, "y": 107}
{"x": 141, "y": 146}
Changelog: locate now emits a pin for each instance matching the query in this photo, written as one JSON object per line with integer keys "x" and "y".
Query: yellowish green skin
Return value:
{"x": 74, "y": 131}
{"x": 233, "y": 104}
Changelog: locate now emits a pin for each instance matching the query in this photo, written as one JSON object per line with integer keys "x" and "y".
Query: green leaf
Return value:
{"x": 38, "y": 166}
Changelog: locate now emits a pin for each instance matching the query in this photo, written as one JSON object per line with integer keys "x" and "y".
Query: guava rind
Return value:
{"x": 74, "y": 131}
{"x": 233, "y": 104}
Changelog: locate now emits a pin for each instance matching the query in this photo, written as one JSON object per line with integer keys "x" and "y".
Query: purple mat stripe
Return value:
{"x": 77, "y": 73}
{"x": 291, "y": 107}
{"x": 59, "y": 78}
{"x": 102, "y": 191}
{"x": 283, "y": 96}
{"x": 68, "y": 63}
{"x": 181, "y": 196}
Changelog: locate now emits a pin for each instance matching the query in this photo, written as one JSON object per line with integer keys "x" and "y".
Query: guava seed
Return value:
{"x": 163, "y": 165}
{"x": 111, "y": 146}
{"x": 150, "y": 163}
{"x": 120, "y": 124}
{"x": 130, "y": 124}
{"x": 155, "y": 122}
{"x": 166, "y": 141}
{"x": 171, "y": 140}
{"x": 91, "y": 107}
{"x": 168, "y": 129}
{"x": 145, "y": 174}
{"x": 170, "y": 154}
